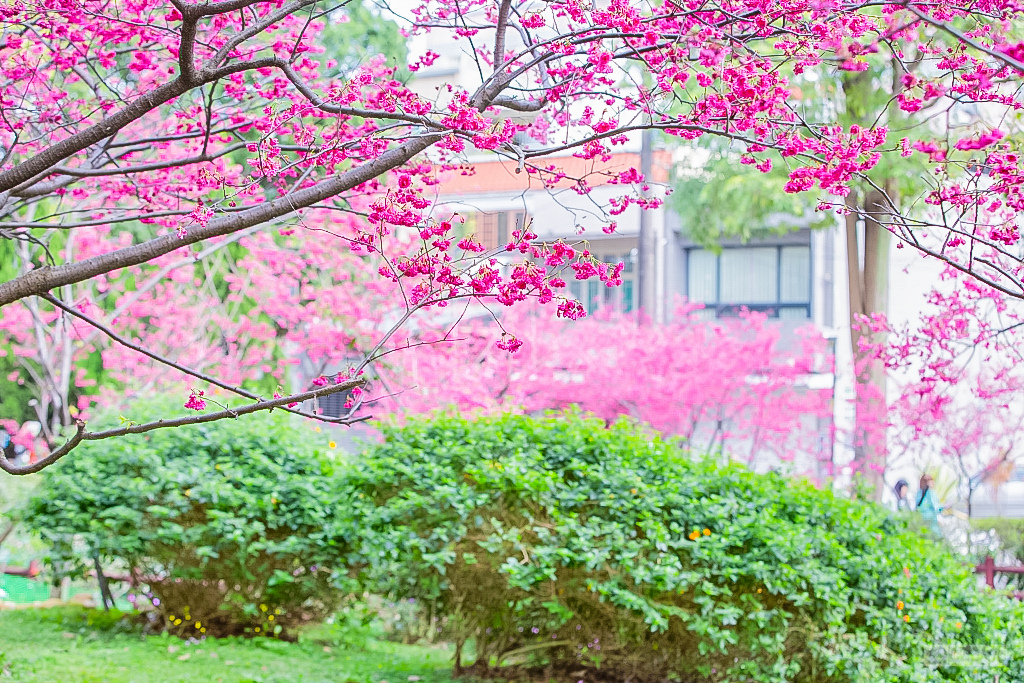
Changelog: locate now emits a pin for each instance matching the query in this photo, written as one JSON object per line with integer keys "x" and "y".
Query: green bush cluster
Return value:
{"x": 232, "y": 525}
{"x": 560, "y": 545}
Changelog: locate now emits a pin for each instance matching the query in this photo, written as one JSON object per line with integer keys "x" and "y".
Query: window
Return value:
{"x": 775, "y": 280}
{"x": 524, "y": 140}
{"x": 494, "y": 230}
{"x": 332, "y": 405}
{"x": 593, "y": 293}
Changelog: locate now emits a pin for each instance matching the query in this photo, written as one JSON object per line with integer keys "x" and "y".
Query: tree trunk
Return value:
{"x": 647, "y": 247}
{"x": 457, "y": 669}
{"x": 869, "y": 294}
{"x": 105, "y": 596}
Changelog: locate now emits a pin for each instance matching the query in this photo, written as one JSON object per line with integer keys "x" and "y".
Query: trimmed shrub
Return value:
{"x": 231, "y": 524}
{"x": 572, "y": 550}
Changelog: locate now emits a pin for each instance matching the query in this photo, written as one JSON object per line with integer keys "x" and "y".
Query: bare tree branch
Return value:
{"x": 202, "y": 418}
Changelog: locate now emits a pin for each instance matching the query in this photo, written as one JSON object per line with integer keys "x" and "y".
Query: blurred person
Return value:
{"x": 902, "y": 490}
{"x": 927, "y": 505}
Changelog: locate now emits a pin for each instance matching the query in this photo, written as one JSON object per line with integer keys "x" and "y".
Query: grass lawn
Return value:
{"x": 68, "y": 645}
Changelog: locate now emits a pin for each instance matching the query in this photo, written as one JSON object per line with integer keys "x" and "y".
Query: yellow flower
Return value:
{"x": 906, "y": 618}
{"x": 707, "y": 532}
{"x": 257, "y": 629}
{"x": 317, "y": 429}
{"x": 633, "y": 491}
{"x": 958, "y": 624}
{"x": 271, "y": 617}
{"x": 899, "y": 604}
{"x": 202, "y": 630}
{"x": 332, "y": 444}
{"x": 263, "y": 608}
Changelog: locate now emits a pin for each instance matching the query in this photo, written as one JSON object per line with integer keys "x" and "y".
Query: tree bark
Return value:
{"x": 105, "y": 596}
{"x": 869, "y": 294}
{"x": 648, "y": 242}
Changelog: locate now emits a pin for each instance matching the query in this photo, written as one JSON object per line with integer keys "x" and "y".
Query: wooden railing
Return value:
{"x": 989, "y": 568}
{"x": 28, "y": 572}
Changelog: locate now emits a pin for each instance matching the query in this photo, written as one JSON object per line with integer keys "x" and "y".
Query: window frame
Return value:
{"x": 595, "y": 295}
{"x": 772, "y": 309}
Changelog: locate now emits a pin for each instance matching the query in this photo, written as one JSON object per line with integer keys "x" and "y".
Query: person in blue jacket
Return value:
{"x": 927, "y": 505}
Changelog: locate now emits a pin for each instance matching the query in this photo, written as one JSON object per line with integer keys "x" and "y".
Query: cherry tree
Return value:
{"x": 137, "y": 135}
{"x": 958, "y": 381}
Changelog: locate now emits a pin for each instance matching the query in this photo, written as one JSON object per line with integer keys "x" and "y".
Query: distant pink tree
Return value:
{"x": 246, "y": 317}
{"x": 734, "y": 386}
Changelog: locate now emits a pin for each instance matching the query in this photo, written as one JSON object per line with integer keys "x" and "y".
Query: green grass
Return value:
{"x": 69, "y": 645}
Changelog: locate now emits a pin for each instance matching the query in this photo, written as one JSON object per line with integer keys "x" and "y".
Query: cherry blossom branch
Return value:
{"x": 177, "y": 366}
{"x": 82, "y": 435}
{"x": 961, "y": 37}
{"x": 59, "y": 151}
{"x": 146, "y": 352}
{"x": 499, "y": 39}
{"x": 319, "y": 103}
{"x": 43, "y": 280}
{"x": 142, "y": 168}
{"x": 41, "y": 464}
{"x": 274, "y": 17}
{"x": 44, "y": 160}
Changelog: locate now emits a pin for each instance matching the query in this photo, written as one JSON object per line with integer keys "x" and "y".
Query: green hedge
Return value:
{"x": 232, "y": 524}
{"x": 577, "y": 550}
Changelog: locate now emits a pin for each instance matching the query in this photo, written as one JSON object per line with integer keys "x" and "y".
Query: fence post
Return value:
{"x": 988, "y": 567}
